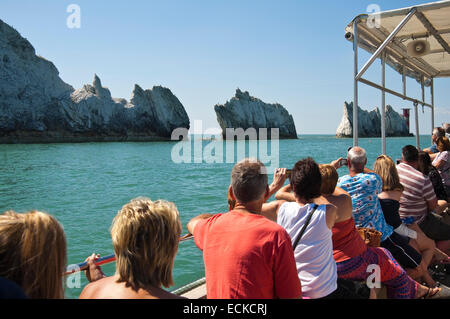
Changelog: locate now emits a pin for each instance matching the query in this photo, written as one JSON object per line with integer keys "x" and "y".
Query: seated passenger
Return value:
{"x": 446, "y": 128}
{"x": 245, "y": 254}
{"x": 33, "y": 253}
{"x": 364, "y": 186}
{"x": 442, "y": 161}
{"x": 10, "y": 290}
{"x": 426, "y": 168}
{"x": 432, "y": 150}
{"x": 353, "y": 256}
{"x": 145, "y": 236}
{"x": 389, "y": 200}
{"x": 309, "y": 223}
{"x": 418, "y": 199}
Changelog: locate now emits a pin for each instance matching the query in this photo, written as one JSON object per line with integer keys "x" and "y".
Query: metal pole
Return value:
{"x": 416, "y": 114}
{"x": 423, "y": 88}
{"x": 383, "y": 104}
{"x": 379, "y": 87}
{"x": 355, "y": 82}
{"x": 385, "y": 43}
{"x": 432, "y": 103}
{"x": 404, "y": 81}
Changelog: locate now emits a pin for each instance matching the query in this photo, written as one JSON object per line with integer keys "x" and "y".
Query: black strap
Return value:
{"x": 304, "y": 226}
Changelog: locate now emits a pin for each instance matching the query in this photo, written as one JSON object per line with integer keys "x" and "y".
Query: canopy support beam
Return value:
{"x": 384, "y": 44}
{"x": 433, "y": 31}
{"x": 383, "y": 104}
{"x": 355, "y": 82}
{"x": 379, "y": 87}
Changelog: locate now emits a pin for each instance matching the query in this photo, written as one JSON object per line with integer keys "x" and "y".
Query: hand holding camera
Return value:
{"x": 339, "y": 163}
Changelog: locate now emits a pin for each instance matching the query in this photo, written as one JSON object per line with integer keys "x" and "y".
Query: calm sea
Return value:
{"x": 84, "y": 185}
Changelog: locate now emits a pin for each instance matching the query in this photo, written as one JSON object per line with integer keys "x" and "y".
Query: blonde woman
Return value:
{"x": 145, "y": 237}
{"x": 389, "y": 199}
{"x": 33, "y": 253}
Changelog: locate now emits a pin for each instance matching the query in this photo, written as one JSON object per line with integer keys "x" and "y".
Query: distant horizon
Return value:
{"x": 203, "y": 51}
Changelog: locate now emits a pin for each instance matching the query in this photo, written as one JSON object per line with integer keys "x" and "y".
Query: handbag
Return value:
{"x": 371, "y": 237}
{"x": 308, "y": 219}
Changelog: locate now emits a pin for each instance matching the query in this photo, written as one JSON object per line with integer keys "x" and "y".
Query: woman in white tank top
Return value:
{"x": 314, "y": 251}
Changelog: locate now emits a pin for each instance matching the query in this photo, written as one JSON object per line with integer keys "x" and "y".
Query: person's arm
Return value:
{"x": 440, "y": 161}
{"x": 286, "y": 282}
{"x": 431, "y": 204}
{"x": 429, "y": 195}
{"x": 270, "y": 210}
{"x": 279, "y": 177}
{"x": 94, "y": 272}
{"x": 340, "y": 191}
{"x": 191, "y": 224}
{"x": 336, "y": 163}
{"x": 368, "y": 170}
{"x": 286, "y": 194}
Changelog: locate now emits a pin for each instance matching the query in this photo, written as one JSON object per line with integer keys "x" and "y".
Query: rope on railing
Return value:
{"x": 189, "y": 287}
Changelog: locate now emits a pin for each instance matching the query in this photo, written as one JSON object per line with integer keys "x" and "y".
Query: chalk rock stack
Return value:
{"x": 369, "y": 123}
{"x": 37, "y": 106}
{"x": 244, "y": 111}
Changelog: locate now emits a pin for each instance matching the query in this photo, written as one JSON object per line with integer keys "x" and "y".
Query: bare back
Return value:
{"x": 343, "y": 202}
{"x": 109, "y": 288}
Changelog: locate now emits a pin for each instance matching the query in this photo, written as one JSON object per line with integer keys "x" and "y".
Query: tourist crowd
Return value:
{"x": 323, "y": 236}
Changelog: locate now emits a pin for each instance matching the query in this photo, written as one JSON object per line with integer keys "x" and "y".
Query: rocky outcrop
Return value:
{"x": 36, "y": 105}
{"x": 244, "y": 111}
{"x": 369, "y": 123}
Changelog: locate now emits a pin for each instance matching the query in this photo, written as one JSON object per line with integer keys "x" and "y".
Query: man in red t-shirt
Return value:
{"x": 246, "y": 255}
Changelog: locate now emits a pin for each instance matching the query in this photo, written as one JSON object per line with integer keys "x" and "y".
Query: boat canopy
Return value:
{"x": 414, "y": 41}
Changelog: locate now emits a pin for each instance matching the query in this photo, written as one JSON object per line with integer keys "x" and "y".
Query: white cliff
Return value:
{"x": 244, "y": 111}
{"x": 369, "y": 123}
{"x": 36, "y": 105}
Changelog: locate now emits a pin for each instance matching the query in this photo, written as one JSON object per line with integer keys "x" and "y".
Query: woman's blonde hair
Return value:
{"x": 33, "y": 253}
{"x": 384, "y": 166}
{"x": 145, "y": 237}
{"x": 329, "y": 179}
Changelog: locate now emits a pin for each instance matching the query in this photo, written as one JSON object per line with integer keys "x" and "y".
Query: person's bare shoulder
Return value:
{"x": 104, "y": 288}
{"x": 90, "y": 291}
{"x": 343, "y": 202}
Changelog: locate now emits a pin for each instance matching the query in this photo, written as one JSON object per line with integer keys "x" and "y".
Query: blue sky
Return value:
{"x": 292, "y": 52}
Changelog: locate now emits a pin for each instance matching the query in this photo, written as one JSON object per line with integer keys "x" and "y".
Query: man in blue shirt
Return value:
{"x": 364, "y": 185}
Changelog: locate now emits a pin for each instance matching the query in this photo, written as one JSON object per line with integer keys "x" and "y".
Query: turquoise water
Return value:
{"x": 84, "y": 185}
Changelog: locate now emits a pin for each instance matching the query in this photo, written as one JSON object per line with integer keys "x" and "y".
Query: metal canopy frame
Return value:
{"x": 418, "y": 68}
